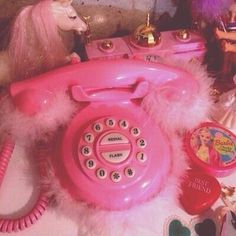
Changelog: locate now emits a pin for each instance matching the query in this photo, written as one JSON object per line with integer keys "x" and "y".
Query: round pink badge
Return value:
{"x": 212, "y": 148}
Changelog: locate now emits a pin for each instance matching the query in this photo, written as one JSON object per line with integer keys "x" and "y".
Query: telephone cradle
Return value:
{"x": 102, "y": 143}
{"x": 170, "y": 46}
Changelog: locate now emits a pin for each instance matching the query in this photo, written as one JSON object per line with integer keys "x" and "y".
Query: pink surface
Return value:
{"x": 121, "y": 49}
{"x": 170, "y": 46}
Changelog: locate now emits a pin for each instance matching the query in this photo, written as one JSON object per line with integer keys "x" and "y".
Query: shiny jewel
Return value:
{"x": 107, "y": 44}
{"x": 183, "y": 34}
{"x": 146, "y": 35}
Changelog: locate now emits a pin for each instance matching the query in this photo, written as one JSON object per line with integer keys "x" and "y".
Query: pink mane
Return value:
{"x": 35, "y": 44}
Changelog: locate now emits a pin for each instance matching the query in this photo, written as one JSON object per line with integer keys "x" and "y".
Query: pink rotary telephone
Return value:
{"x": 111, "y": 155}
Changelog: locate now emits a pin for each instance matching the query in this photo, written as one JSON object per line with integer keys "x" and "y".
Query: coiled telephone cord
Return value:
{"x": 14, "y": 225}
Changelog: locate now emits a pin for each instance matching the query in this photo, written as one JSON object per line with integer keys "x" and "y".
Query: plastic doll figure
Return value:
{"x": 228, "y": 35}
{"x": 228, "y": 196}
{"x": 228, "y": 44}
{"x": 205, "y": 150}
{"x": 232, "y": 18}
{"x": 227, "y": 101}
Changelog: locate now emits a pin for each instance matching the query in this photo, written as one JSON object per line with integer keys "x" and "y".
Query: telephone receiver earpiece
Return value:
{"x": 32, "y": 101}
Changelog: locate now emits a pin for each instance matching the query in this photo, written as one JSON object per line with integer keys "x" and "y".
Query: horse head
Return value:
{"x": 66, "y": 16}
{"x": 37, "y": 40}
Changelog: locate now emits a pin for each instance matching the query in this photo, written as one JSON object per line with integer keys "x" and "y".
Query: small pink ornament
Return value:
{"x": 212, "y": 148}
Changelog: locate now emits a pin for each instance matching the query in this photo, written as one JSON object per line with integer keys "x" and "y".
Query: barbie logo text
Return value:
{"x": 224, "y": 145}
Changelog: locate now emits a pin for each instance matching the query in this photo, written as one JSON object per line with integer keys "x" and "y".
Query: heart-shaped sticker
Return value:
{"x": 199, "y": 192}
{"x": 207, "y": 227}
{"x": 177, "y": 229}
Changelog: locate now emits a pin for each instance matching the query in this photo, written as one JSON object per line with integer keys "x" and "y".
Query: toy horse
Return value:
{"x": 40, "y": 39}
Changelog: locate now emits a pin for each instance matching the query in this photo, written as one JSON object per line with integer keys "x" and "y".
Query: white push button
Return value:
{"x": 101, "y": 173}
{"x": 98, "y": 127}
{"x": 86, "y": 151}
{"x": 141, "y": 157}
{"x": 124, "y": 124}
{"x": 135, "y": 131}
{"x": 90, "y": 164}
{"x": 116, "y": 156}
{"x": 142, "y": 143}
{"x": 129, "y": 172}
{"x": 110, "y": 122}
{"x": 116, "y": 176}
{"x": 89, "y": 137}
{"x": 114, "y": 138}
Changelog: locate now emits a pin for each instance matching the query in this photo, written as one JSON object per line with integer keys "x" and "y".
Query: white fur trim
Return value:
{"x": 186, "y": 111}
{"x": 145, "y": 219}
{"x": 27, "y": 129}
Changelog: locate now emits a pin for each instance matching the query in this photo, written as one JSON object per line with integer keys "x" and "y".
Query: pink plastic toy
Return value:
{"x": 107, "y": 148}
{"x": 171, "y": 46}
{"x": 228, "y": 213}
{"x": 38, "y": 41}
{"x": 212, "y": 148}
{"x": 115, "y": 150}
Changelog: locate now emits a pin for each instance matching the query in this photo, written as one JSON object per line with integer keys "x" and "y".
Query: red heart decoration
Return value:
{"x": 199, "y": 192}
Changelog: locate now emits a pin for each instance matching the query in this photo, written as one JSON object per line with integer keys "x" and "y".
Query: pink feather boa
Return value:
{"x": 27, "y": 130}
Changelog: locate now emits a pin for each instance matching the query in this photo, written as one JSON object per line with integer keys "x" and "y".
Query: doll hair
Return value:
{"x": 35, "y": 45}
{"x": 210, "y": 9}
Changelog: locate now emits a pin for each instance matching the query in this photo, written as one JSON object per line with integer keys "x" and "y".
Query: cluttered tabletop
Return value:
{"x": 123, "y": 134}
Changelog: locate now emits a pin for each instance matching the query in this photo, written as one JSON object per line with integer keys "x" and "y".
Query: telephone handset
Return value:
{"x": 111, "y": 154}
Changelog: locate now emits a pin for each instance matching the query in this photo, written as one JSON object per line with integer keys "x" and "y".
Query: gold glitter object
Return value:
{"x": 107, "y": 44}
{"x": 183, "y": 34}
{"x": 146, "y": 35}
